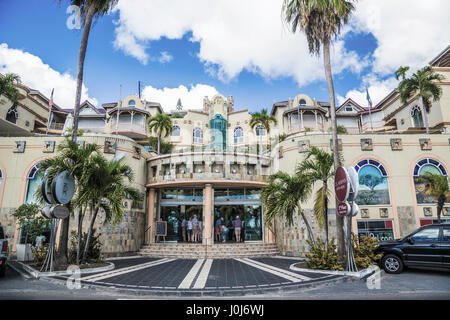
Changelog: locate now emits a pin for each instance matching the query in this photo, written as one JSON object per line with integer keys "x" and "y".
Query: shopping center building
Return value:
{"x": 217, "y": 168}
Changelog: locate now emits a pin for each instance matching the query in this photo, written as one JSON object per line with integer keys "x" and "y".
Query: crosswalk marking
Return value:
{"x": 292, "y": 274}
{"x": 275, "y": 271}
{"x": 118, "y": 272}
{"x": 203, "y": 276}
{"x": 186, "y": 283}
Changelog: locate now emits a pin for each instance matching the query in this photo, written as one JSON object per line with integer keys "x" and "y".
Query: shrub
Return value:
{"x": 39, "y": 254}
{"x": 94, "y": 250}
{"x": 321, "y": 259}
{"x": 364, "y": 251}
{"x": 342, "y": 130}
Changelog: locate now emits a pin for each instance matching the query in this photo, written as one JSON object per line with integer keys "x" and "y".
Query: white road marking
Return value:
{"x": 121, "y": 271}
{"x": 203, "y": 276}
{"x": 186, "y": 283}
{"x": 289, "y": 273}
{"x": 270, "y": 270}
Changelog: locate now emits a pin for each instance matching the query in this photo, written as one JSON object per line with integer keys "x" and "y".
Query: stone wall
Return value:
{"x": 406, "y": 220}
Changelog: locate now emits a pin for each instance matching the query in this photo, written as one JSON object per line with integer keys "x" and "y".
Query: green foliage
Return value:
{"x": 7, "y": 87}
{"x": 364, "y": 251}
{"x": 31, "y": 221}
{"x": 39, "y": 253}
{"x": 282, "y": 137}
{"x": 94, "y": 249}
{"x": 176, "y": 116}
{"x": 165, "y": 147}
{"x": 321, "y": 259}
{"x": 342, "y": 130}
{"x": 68, "y": 132}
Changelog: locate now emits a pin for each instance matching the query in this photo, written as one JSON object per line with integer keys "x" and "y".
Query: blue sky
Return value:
{"x": 219, "y": 51}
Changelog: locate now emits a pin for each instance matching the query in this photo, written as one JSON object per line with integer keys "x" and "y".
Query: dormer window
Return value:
{"x": 131, "y": 104}
{"x": 348, "y": 108}
{"x": 302, "y": 102}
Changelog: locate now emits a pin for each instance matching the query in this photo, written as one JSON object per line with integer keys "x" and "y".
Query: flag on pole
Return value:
{"x": 368, "y": 99}
{"x": 50, "y": 115}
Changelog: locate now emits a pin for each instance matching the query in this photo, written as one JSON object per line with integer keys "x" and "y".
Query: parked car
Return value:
{"x": 3, "y": 252}
{"x": 427, "y": 247}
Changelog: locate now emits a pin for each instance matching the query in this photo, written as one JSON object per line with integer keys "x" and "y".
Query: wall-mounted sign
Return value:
{"x": 343, "y": 209}
{"x": 63, "y": 187}
{"x": 342, "y": 184}
{"x": 55, "y": 212}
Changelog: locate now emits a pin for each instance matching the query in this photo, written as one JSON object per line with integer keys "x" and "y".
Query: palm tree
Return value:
{"x": 423, "y": 84}
{"x": 74, "y": 159}
{"x": 318, "y": 166}
{"x": 262, "y": 119}
{"x": 7, "y": 87}
{"x": 89, "y": 11}
{"x": 321, "y": 21}
{"x": 102, "y": 187}
{"x": 401, "y": 73}
{"x": 161, "y": 124}
{"x": 283, "y": 196}
{"x": 437, "y": 187}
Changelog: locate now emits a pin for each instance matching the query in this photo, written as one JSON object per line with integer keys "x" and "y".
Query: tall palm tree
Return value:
{"x": 318, "y": 166}
{"x": 103, "y": 187}
{"x": 282, "y": 197}
{"x": 89, "y": 11}
{"x": 437, "y": 187}
{"x": 7, "y": 87}
{"x": 161, "y": 124}
{"x": 422, "y": 83}
{"x": 321, "y": 21}
{"x": 262, "y": 119}
{"x": 74, "y": 159}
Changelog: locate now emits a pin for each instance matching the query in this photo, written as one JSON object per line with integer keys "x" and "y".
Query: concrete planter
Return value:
{"x": 24, "y": 253}
{"x": 37, "y": 274}
{"x": 359, "y": 275}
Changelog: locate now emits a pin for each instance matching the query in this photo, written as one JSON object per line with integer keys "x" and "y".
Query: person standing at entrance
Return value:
{"x": 183, "y": 228}
{"x": 200, "y": 230}
{"x": 218, "y": 229}
{"x": 237, "y": 223}
{"x": 195, "y": 229}
{"x": 189, "y": 229}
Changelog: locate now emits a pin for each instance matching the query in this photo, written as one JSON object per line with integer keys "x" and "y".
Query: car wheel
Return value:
{"x": 392, "y": 264}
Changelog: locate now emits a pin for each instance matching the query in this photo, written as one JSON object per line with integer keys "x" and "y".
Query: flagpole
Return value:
{"x": 50, "y": 106}
{"x": 369, "y": 100}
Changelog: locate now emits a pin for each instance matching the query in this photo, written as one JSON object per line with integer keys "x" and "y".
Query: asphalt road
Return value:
{"x": 412, "y": 284}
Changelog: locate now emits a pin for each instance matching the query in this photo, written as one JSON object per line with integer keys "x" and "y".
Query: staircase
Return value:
{"x": 216, "y": 251}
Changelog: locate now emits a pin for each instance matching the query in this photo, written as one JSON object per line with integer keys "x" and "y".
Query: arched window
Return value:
{"x": 416, "y": 114}
{"x": 34, "y": 180}
{"x": 373, "y": 183}
{"x": 260, "y": 130}
{"x": 238, "y": 135}
{"x": 12, "y": 115}
{"x": 198, "y": 135}
{"x": 176, "y": 131}
{"x": 302, "y": 102}
{"x": 420, "y": 184}
{"x": 131, "y": 104}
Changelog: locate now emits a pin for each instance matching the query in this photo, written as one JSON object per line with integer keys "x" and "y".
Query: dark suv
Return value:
{"x": 428, "y": 247}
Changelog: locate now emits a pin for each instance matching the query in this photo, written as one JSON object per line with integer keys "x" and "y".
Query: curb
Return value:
{"x": 20, "y": 272}
{"x": 359, "y": 275}
{"x": 192, "y": 293}
{"x": 37, "y": 274}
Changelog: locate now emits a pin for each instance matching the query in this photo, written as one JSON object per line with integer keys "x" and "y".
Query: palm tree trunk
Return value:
{"x": 425, "y": 116}
{"x": 308, "y": 227}
{"x": 329, "y": 76}
{"x": 80, "y": 232}
{"x": 91, "y": 226}
{"x": 159, "y": 144}
{"x": 325, "y": 213}
{"x": 81, "y": 57}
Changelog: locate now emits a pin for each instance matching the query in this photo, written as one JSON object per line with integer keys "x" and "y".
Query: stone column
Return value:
{"x": 302, "y": 125}
{"x": 208, "y": 213}
{"x": 151, "y": 216}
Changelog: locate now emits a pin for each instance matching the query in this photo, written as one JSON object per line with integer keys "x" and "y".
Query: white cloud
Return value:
{"x": 378, "y": 90}
{"x": 191, "y": 98}
{"x": 35, "y": 74}
{"x": 234, "y": 35}
{"x": 408, "y": 33}
{"x": 165, "y": 57}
